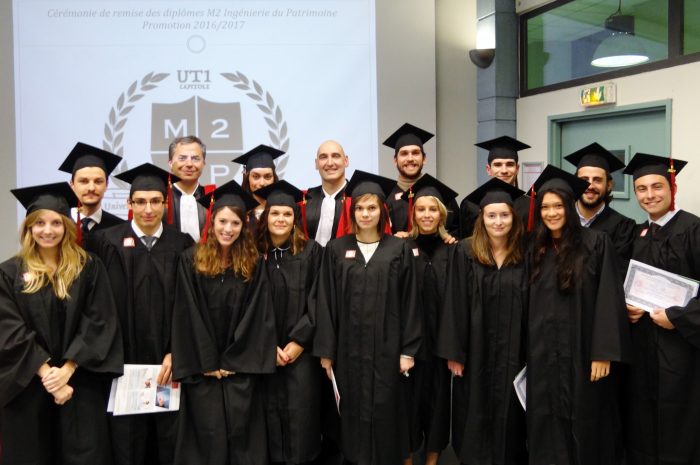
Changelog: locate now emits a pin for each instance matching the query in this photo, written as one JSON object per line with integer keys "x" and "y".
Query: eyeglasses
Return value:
{"x": 193, "y": 158}
{"x": 141, "y": 203}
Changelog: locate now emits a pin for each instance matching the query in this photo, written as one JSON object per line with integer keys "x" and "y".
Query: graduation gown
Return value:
{"x": 314, "y": 199}
{"x": 482, "y": 328}
{"x": 201, "y": 211}
{"x": 621, "y": 230}
{"x": 222, "y": 322}
{"x": 143, "y": 283}
{"x": 108, "y": 220}
{"x": 398, "y": 212}
{"x": 39, "y": 327}
{"x": 293, "y": 392}
{"x": 430, "y": 379}
{"x": 367, "y": 316}
{"x": 571, "y": 420}
{"x": 469, "y": 212}
{"x": 663, "y": 383}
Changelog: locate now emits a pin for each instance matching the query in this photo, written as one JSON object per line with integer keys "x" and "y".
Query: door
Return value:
{"x": 623, "y": 131}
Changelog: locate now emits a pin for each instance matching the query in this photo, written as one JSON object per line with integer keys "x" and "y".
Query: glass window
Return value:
{"x": 563, "y": 42}
{"x": 691, "y": 26}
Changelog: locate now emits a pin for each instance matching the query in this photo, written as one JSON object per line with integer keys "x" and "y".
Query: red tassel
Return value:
{"x": 531, "y": 212}
{"x": 672, "y": 170}
{"x": 387, "y": 225}
{"x": 302, "y": 206}
{"x": 79, "y": 232}
{"x": 170, "y": 201}
{"x": 130, "y": 215}
{"x": 410, "y": 208}
{"x": 344, "y": 221}
{"x": 205, "y": 232}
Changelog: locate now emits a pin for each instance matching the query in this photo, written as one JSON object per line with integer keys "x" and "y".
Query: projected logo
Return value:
{"x": 236, "y": 115}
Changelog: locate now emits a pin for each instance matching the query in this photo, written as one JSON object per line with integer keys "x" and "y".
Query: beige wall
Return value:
{"x": 678, "y": 84}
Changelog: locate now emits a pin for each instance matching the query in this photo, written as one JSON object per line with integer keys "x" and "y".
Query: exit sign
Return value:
{"x": 602, "y": 94}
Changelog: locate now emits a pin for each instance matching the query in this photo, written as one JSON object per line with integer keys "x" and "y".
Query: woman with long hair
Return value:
{"x": 481, "y": 332}
{"x": 293, "y": 393}
{"x": 576, "y": 328}
{"x": 59, "y": 339}
{"x": 368, "y": 326}
{"x": 223, "y": 338}
{"x": 430, "y": 383}
{"x": 258, "y": 172}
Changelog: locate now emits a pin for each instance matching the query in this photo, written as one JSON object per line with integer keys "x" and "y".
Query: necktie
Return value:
{"x": 653, "y": 229}
{"x": 85, "y": 225}
{"x": 148, "y": 241}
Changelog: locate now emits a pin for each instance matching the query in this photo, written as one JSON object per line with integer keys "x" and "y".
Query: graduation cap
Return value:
{"x": 262, "y": 156}
{"x": 503, "y": 147}
{"x": 230, "y": 194}
{"x": 281, "y": 194}
{"x": 643, "y": 164}
{"x": 363, "y": 183}
{"x": 148, "y": 177}
{"x": 555, "y": 178}
{"x": 84, "y": 155}
{"x": 58, "y": 197}
{"x": 597, "y": 156}
{"x": 407, "y": 134}
{"x": 427, "y": 185}
{"x": 495, "y": 191}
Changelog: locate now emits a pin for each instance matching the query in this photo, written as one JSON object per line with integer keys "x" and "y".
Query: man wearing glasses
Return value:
{"x": 187, "y": 157}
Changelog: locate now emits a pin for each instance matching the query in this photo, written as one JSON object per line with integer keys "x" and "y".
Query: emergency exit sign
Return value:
{"x": 602, "y": 94}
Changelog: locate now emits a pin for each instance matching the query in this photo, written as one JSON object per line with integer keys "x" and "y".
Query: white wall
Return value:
{"x": 680, "y": 84}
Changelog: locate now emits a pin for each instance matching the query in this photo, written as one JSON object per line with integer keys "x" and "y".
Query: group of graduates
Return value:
{"x": 357, "y": 322}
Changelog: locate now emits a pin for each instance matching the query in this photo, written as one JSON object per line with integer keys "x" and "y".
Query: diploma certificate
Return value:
{"x": 648, "y": 287}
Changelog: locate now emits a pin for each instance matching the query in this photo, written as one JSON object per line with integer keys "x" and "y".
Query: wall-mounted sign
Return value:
{"x": 602, "y": 94}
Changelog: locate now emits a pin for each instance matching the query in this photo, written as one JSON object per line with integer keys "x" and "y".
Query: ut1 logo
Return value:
{"x": 195, "y": 76}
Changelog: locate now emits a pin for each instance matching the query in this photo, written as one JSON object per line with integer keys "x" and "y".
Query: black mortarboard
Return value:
{"x": 597, "y": 156}
{"x": 363, "y": 182}
{"x": 230, "y": 194}
{"x": 281, "y": 194}
{"x": 147, "y": 177}
{"x": 643, "y": 163}
{"x": 408, "y": 134}
{"x": 494, "y": 191}
{"x": 428, "y": 185}
{"x": 503, "y": 147}
{"x": 553, "y": 177}
{"x": 262, "y": 156}
{"x": 84, "y": 155}
{"x": 58, "y": 197}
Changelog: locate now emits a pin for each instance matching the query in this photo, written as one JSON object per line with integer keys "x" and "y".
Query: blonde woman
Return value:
{"x": 223, "y": 338}
{"x": 59, "y": 339}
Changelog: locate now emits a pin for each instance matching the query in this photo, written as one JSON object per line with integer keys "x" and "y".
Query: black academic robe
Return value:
{"x": 483, "y": 327}
{"x": 201, "y": 210}
{"x": 143, "y": 283}
{"x": 293, "y": 394}
{"x": 314, "y": 199}
{"x": 222, "y": 322}
{"x": 367, "y": 316}
{"x": 663, "y": 383}
{"x": 571, "y": 420}
{"x": 621, "y": 230}
{"x": 469, "y": 212}
{"x": 430, "y": 378}
{"x": 39, "y": 327}
{"x": 108, "y": 220}
{"x": 398, "y": 212}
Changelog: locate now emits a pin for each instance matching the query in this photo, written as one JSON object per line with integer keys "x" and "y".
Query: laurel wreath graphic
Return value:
{"x": 118, "y": 115}
{"x": 274, "y": 119}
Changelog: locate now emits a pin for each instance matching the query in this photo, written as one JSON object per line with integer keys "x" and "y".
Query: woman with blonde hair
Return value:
{"x": 59, "y": 339}
{"x": 481, "y": 332}
{"x": 430, "y": 384}
{"x": 293, "y": 393}
{"x": 223, "y": 338}
{"x": 368, "y": 326}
